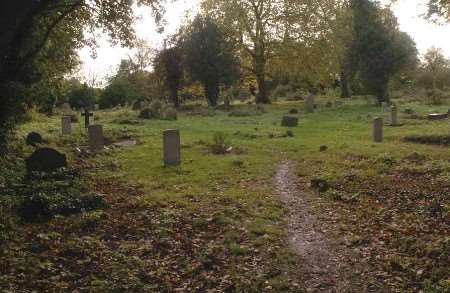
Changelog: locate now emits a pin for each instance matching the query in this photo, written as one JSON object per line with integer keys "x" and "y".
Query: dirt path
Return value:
{"x": 325, "y": 265}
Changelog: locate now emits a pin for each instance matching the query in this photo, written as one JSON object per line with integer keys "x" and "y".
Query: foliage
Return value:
{"x": 80, "y": 95}
{"x": 434, "y": 72}
{"x": 59, "y": 193}
{"x": 379, "y": 50}
{"x": 39, "y": 42}
{"x": 439, "y": 9}
{"x": 169, "y": 64}
{"x": 209, "y": 57}
{"x": 221, "y": 143}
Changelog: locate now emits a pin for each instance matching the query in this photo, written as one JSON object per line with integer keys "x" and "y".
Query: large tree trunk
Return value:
{"x": 212, "y": 94}
{"x": 260, "y": 71}
{"x": 345, "y": 91}
{"x": 175, "y": 98}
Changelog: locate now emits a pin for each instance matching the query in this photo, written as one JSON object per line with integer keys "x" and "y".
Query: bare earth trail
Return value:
{"x": 325, "y": 265}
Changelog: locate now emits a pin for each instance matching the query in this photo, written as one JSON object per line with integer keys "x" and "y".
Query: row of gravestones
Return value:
{"x": 292, "y": 121}
{"x": 171, "y": 139}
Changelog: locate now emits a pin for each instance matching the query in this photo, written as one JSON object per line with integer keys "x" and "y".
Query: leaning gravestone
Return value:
{"x": 378, "y": 130}
{"x": 45, "y": 160}
{"x": 34, "y": 138}
{"x": 289, "y": 121}
{"x": 66, "y": 125}
{"x": 171, "y": 146}
{"x": 309, "y": 103}
{"x": 394, "y": 115}
{"x": 96, "y": 138}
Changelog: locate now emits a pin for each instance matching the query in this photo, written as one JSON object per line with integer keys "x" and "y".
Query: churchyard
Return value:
{"x": 377, "y": 202}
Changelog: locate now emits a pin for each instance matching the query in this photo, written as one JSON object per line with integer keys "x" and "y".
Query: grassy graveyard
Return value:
{"x": 216, "y": 221}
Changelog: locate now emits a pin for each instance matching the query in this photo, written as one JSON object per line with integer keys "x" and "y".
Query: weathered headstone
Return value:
{"x": 87, "y": 114}
{"x": 96, "y": 138}
{"x": 66, "y": 125}
{"x": 378, "y": 130}
{"x": 45, "y": 160}
{"x": 96, "y": 107}
{"x": 171, "y": 146}
{"x": 438, "y": 116}
{"x": 309, "y": 103}
{"x": 34, "y": 138}
{"x": 394, "y": 115}
{"x": 66, "y": 108}
{"x": 289, "y": 121}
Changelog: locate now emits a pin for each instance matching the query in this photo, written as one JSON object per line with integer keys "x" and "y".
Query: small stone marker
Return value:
{"x": 45, "y": 160}
{"x": 437, "y": 116}
{"x": 172, "y": 154}
{"x": 96, "y": 139}
{"x": 394, "y": 115}
{"x": 309, "y": 103}
{"x": 289, "y": 121}
{"x": 378, "y": 130}
{"x": 96, "y": 107}
{"x": 87, "y": 114}
{"x": 66, "y": 125}
{"x": 34, "y": 138}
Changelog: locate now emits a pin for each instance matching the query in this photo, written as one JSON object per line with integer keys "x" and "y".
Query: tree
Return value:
{"x": 440, "y": 9}
{"x": 30, "y": 28}
{"x": 379, "y": 49}
{"x": 169, "y": 65}
{"x": 435, "y": 71}
{"x": 209, "y": 57}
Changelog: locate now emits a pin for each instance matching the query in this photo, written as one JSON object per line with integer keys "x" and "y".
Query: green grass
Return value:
{"x": 233, "y": 193}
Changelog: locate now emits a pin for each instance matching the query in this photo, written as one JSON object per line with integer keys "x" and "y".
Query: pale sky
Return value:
{"x": 409, "y": 13}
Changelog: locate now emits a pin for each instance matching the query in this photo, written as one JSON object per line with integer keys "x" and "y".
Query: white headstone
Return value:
{"x": 171, "y": 146}
{"x": 66, "y": 125}
{"x": 96, "y": 139}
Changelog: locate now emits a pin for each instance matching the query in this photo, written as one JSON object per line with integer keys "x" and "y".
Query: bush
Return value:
{"x": 281, "y": 91}
{"x": 156, "y": 107}
{"x": 60, "y": 193}
{"x": 169, "y": 113}
{"x": 437, "y": 97}
{"x": 221, "y": 143}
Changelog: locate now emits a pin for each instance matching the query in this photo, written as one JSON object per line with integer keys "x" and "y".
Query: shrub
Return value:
{"x": 281, "y": 91}
{"x": 169, "y": 113}
{"x": 156, "y": 107}
{"x": 221, "y": 143}
{"x": 60, "y": 193}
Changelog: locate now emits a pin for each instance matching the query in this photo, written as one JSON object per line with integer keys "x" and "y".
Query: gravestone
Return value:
{"x": 96, "y": 107}
{"x": 87, "y": 114}
{"x": 96, "y": 138}
{"x": 66, "y": 108}
{"x": 171, "y": 146}
{"x": 378, "y": 130}
{"x": 45, "y": 160}
{"x": 289, "y": 121}
{"x": 394, "y": 115}
{"x": 309, "y": 103}
{"x": 66, "y": 125}
{"x": 34, "y": 138}
{"x": 437, "y": 116}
